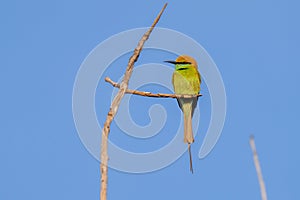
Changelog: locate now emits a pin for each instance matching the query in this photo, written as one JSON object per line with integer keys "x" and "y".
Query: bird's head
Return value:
{"x": 184, "y": 60}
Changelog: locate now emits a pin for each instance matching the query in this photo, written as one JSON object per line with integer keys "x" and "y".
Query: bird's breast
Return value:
{"x": 186, "y": 81}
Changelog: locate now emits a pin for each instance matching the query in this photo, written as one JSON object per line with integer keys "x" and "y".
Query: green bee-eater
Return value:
{"x": 186, "y": 80}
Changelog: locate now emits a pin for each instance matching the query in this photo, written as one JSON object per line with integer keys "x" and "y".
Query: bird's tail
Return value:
{"x": 191, "y": 160}
{"x": 188, "y": 129}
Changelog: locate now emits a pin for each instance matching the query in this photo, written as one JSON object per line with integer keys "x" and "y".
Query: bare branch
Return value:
{"x": 115, "y": 105}
{"x": 149, "y": 94}
{"x": 258, "y": 169}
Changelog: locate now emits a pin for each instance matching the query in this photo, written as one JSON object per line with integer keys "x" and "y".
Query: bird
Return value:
{"x": 186, "y": 80}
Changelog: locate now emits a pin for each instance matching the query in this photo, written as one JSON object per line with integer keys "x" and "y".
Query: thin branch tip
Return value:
{"x": 150, "y": 94}
{"x": 258, "y": 169}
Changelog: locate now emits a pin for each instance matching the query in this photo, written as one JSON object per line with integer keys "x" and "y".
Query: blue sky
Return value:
{"x": 255, "y": 46}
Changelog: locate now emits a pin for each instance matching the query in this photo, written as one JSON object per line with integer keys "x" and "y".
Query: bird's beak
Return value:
{"x": 170, "y": 61}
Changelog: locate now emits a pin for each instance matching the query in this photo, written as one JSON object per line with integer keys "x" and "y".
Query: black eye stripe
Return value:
{"x": 178, "y": 63}
{"x": 182, "y": 63}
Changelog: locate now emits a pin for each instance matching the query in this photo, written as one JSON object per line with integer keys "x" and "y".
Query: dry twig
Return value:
{"x": 258, "y": 170}
{"x": 149, "y": 94}
{"x": 115, "y": 105}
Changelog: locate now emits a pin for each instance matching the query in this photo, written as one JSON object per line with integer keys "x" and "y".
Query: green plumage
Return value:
{"x": 186, "y": 80}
